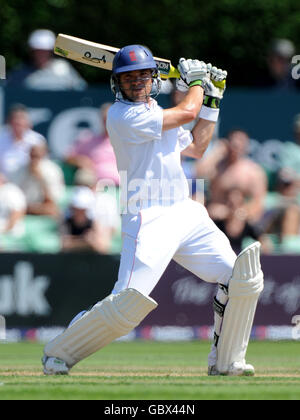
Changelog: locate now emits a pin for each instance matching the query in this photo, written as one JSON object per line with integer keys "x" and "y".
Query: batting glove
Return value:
{"x": 214, "y": 86}
{"x": 181, "y": 85}
{"x": 192, "y": 73}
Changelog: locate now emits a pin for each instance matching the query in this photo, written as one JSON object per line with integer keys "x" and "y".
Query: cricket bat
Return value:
{"x": 99, "y": 55}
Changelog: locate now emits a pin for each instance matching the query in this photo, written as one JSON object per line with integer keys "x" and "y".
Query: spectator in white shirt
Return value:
{"x": 12, "y": 209}
{"x": 43, "y": 71}
{"x": 42, "y": 182}
{"x": 16, "y": 140}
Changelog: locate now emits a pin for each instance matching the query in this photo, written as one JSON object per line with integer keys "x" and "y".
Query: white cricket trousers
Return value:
{"x": 183, "y": 232}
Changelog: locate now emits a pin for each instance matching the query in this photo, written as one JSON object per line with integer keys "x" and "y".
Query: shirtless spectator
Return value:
{"x": 232, "y": 220}
{"x": 228, "y": 167}
{"x": 283, "y": 218}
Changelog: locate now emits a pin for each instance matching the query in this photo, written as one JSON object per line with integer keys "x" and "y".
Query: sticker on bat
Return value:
{"x": 165, "y": 67}
{"x": 61, "y": 51}
{"x": 88, "y": 57}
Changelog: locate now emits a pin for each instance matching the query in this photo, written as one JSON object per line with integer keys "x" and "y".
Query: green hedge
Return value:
{"x": 230, "y": 33}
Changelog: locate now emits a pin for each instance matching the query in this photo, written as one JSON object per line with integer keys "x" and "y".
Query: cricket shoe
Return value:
{"x": 54, "y": 366}
{"x": 235, "y": 369}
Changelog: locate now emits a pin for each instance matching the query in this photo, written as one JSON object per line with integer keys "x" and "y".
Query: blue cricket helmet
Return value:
{"x": 133, "y": 57}
{"x": 130, "y": 58}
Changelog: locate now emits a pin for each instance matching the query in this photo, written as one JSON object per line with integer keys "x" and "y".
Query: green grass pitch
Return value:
{"x": 143, "y": 370}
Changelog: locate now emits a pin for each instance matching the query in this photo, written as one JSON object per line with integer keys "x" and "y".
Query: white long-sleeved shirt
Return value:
{"x": 148, "y": 158}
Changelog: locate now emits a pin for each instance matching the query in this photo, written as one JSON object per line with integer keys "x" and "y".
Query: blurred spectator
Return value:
{"x": 227, "y": 166}
{"x": 106, "y": 205}
{"x": 43, "y": 71}
{"x": 279, "y": 61}
{"x": 283, "y": 217}
{"x": 95, "y": 152}
{"x": 16, "y": 140}
{"x": 80, "y": 230}
{"x": 231, "y": 218}
{"x": 12, "y": 209}
{"x": 42, "y": 182}
{"x": 290, "y": 155}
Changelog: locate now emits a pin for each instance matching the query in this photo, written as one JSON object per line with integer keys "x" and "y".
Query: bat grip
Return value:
{"x": 173, "y": 73}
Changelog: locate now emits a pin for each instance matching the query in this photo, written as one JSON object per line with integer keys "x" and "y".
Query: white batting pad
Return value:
{"x": 245, "y": 286}
{"x": 109, "y": 319}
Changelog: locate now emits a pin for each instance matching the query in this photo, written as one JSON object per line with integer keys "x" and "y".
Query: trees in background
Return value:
{"x": 234, "y": 34}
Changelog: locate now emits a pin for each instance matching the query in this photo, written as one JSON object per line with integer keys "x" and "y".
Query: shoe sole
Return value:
{"x": 50, "y": 373}
{"x": 244, "y": 373}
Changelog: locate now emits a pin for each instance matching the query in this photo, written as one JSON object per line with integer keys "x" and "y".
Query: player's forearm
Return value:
{"x": 192, "y": 101}
{"x": 214, "y": 86}
{"x": 186, "y": 111}
{"x": 202, "y": 134}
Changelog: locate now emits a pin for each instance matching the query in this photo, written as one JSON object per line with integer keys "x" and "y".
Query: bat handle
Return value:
{"x": 173, "y": 73}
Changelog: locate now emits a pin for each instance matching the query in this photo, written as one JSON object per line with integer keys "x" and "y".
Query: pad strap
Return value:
{"x": 218, "y": 307}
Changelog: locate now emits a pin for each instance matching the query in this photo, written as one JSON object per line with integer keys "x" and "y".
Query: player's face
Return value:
{"x": 136, "y": 84}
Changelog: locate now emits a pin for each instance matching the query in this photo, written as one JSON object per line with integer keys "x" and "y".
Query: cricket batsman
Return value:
{"x": 161, "y": 223}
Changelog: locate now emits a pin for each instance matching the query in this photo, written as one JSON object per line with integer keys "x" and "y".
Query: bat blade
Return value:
{"x": 86, "y": 52}
{"x": 100, "y": 55}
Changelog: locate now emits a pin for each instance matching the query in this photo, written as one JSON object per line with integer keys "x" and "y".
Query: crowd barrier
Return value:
{"x": 42, "y": 291}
